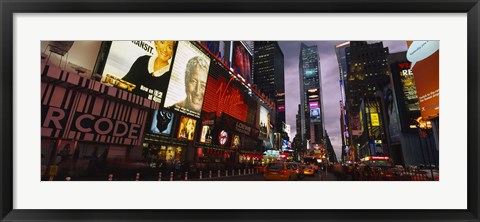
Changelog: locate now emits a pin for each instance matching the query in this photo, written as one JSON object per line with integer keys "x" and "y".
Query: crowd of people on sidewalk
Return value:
{"x": 364, "y": 172}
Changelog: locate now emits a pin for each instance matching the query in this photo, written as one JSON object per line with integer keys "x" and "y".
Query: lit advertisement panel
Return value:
{"x": 141, "y": 67}
{"x": 206, "y": 135}
{"x": 310, "y": 73}
{"x": 236, "y": 141}
{"x": 424, "y": 56}
{"x": 242, "y": 61}
{"x": 86, "y": 117}
{"x": 162, "y": 122}
{"x": 314, "y": 110}
{"x": 208, "y": 122}
{"x": 188, "y": 80}
{"x": 218, "y": 48}
{"x": 224, "y": 96}
{"x": 186, "y": 130}
{"x": 393, "y": 122}
{"x": 356, "y": 124}
{"x": 406, "y": 93}
{"x": 264, "y": 123}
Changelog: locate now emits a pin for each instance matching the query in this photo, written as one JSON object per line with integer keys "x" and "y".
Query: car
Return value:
{"x": 279, "y": 171}
{"x": 298, "y": 169}
{"x": 309, "y": 171}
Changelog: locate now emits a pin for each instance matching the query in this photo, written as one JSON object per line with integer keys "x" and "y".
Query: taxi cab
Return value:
{"x": 280, "y": 171}
{"x": 309, "y": 170}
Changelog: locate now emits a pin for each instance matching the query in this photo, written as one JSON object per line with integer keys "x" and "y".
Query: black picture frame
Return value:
{"x": 10, "y": 7}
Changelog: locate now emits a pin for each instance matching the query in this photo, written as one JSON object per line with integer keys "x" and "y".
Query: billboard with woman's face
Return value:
{"x": 140, "y": 67}
{"x": 187, "y": 128}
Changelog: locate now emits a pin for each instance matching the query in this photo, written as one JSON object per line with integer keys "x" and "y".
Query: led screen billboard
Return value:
{"x": 264, "y": 123}
{"x": 314, "y": 110}
{"x": 406, "y": 94}
{"x": 141, "y": 67}
{"x": 223, "y": 95}
{"x": 188, "y": 80}
{"x": 393, "y": 123}
{"x": 424, "y": 56}
{"x": 242, "y": 61}
{"x": 162, "y": 122}
{"x": 186, "y": 130}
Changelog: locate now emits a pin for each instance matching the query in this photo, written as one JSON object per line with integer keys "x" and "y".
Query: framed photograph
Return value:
{"x": 192, "y": 110}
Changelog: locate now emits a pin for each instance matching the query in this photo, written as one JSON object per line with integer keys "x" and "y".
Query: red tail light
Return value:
{"x": 265, "y": 170}
{"x": 283, "y": 171}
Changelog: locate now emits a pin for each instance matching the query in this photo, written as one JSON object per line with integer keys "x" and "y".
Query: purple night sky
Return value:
{"x": 330, "y": 83}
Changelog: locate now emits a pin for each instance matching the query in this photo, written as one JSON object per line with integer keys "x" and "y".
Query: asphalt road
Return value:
{"x": 259, "y": 177}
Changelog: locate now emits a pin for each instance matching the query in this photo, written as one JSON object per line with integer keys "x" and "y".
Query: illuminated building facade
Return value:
{"x": 102, "y": 113}
{"x": 403, "y": 110}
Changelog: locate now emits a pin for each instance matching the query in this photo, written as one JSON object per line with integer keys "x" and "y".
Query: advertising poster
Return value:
{"x": 206, "y": 135}
{"x": 162, "y": 122}
{"x": 314, "y": 110}
{"x": 236, "y": 142}
{"x": 356, "y": 124}
{"x": 406, "y": 91}
{"x": 173, "y": 153}
{"x": 140, "y": 67}
{"x": 242, "y": 61}
{"x": 187, "y": 128}
{"x": 424, "y": 56}
{"x": 264, "y": 123}
{"x": 393, "y": 122}
{"x": 188, "y": 80}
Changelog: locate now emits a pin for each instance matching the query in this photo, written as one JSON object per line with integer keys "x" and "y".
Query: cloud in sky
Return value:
{"x": 330, "y": 83}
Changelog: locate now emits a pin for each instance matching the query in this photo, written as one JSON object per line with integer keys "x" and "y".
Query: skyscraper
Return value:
{"x": 367, "y": 73}
{"x": 312, "y": 124}
{"x": 343, "y": 68}
{"x": 269, "y": 77}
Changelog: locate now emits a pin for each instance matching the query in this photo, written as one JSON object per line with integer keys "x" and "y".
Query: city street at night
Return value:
{"x": 239, "y": 110}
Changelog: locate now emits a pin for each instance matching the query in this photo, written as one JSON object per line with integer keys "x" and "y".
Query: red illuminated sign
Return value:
{"x": 223, "y": 137}
{"x": 222, "y": 96}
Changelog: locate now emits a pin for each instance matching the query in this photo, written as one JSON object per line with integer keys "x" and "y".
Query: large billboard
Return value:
{"x": 188, "y": 80}
{"x": 69, "y": 114}
{"x": 141, "y": 67}
{"x": 161, "y": 122}
{"x": 223, "y": 95}
{"x": 424, "y": 56}
{"x": 393, "y": 123}
{"x": 314, "y": 110}
{"x": 242, "y": 61}
{"x": 264, "y": 123}
{"x": 406, "y": 93}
